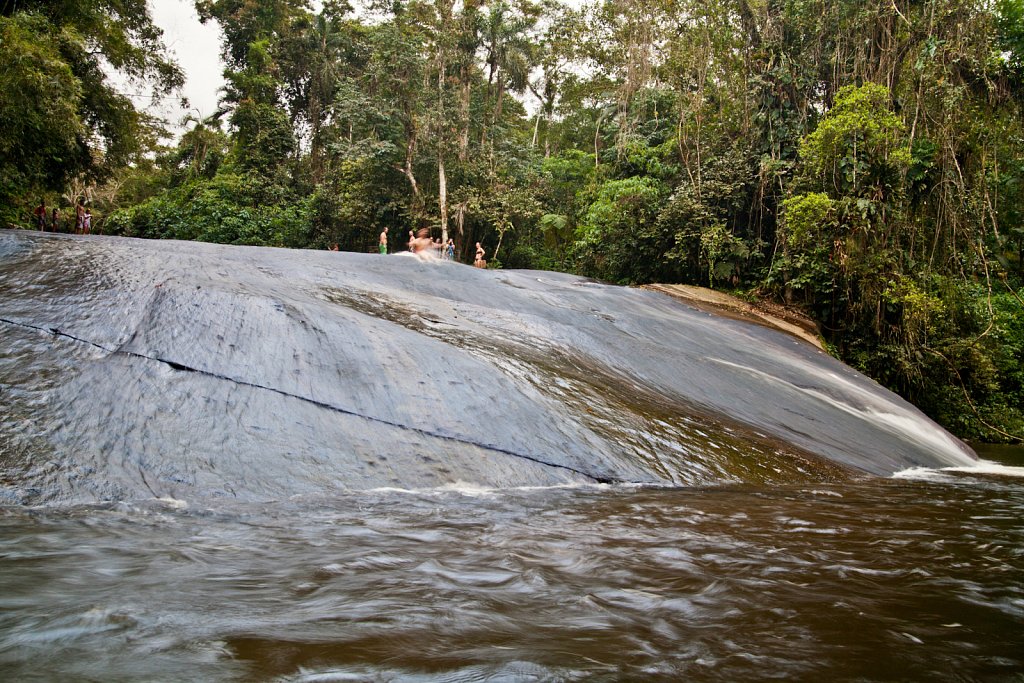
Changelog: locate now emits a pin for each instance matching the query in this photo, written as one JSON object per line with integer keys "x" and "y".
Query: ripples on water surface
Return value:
{"x": 904, "y": 579}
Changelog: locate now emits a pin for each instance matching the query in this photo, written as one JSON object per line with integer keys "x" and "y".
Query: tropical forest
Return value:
{"x": 860, "y": 162}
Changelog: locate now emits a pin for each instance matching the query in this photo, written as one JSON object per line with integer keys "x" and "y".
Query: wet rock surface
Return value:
{"x": 134, "y": 369}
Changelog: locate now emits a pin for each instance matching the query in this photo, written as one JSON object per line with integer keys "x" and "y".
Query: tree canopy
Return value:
{"x": 63, "y": 119}
{"x": 862, "y": 160}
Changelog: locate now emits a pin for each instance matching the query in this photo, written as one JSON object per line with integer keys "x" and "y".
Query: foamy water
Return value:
{"x": 982, "y": 468}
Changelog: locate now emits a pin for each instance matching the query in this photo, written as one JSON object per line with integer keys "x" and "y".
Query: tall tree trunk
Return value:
{"x": 442, "y": 197}
{"x": 442, "y": 177}
{"x": 315, "y": 152}
{"x": 460, "y": 220}
{"x": 500, "y": 101}
{"x": 549, "y": 114}
{"x": 501, "y": 236}
{"x": 464, "y": 101}
{"x": 487, "y": 104}
{"x": 410, "y": 155}
{"x": 408, "y": 170}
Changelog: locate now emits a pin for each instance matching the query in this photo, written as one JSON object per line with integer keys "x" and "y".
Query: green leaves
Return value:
{"x": 40, "y": 101}
{"x": 722, "y": 251}
{"x": 60, "y": 117}
{"x": 230, "y": 209}
{"x": 612, "y": 237}
{"x": 263, "y": 137}
{"x": 1010, "y": 25}
{"x": 859, "y": 146}
{"x": 809, "y": 218}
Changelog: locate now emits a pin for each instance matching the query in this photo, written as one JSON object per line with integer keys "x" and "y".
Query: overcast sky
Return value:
{"x": 196, "y": 48}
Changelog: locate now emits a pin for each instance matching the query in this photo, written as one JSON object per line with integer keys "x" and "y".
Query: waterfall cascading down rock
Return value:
{"x": 135, "y": 369}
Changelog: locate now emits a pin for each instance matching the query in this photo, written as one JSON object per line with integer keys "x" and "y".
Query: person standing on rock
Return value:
{"x": 480, "y": 262}
{"x": 40, "y": 214}
{"x": 79, "y": 216}
{"x": 383, "y": 242}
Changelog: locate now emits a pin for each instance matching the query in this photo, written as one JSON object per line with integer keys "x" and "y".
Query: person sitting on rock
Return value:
{"x": 421, "y": 244}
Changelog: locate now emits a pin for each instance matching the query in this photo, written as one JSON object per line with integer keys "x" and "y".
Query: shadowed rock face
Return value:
{"x": 132, "y": 369}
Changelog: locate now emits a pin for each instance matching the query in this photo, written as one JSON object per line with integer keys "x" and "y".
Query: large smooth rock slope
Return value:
{"x": 134, "y": 368}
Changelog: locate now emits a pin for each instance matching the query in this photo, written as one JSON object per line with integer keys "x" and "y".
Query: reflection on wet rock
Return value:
{"x": 144, "y": 369}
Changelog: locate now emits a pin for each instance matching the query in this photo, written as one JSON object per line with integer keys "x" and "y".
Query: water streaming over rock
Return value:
{"x": 140, "y": 368}
{"x": 240, "y": 464}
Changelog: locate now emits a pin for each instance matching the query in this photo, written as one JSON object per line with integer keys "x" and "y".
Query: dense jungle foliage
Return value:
{"x": 862, "y": 160}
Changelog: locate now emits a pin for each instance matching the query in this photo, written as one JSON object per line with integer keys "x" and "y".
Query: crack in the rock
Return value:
{"x": 53, "y": 331}
{"x": 321, "y": 404}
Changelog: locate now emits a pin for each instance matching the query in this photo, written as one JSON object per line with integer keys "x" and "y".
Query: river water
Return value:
{"x": 917, "y": 577}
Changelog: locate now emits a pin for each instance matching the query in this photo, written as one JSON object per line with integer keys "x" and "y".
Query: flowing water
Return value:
{"x": 234, "y": 464}
{"x": 917, "y": 577}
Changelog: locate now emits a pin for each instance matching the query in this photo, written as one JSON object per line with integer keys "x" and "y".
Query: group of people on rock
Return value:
{"x": 422, "y": 244}
{"x": 51, "y": 220}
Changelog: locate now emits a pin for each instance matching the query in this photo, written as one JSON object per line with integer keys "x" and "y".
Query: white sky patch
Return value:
{"x": 196, "y": 49}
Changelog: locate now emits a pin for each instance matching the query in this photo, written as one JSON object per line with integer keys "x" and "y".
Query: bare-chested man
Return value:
{"x": 421, "y": 244}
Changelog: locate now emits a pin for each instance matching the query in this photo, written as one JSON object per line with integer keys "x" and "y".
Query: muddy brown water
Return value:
{"x": 916, "y": 578}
